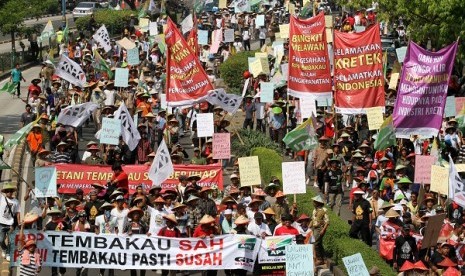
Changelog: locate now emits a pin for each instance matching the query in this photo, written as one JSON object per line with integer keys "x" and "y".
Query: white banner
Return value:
{"x": 456, "y": 186}
{"x": 161, "y": 167}
{"x": 71, "y": 71}
{"x": 47, "y": 33}
{"x": 131, "y": 135}
{"x": 273, "y": 249}
{"x": 294, "y": 177}
{"x": 205, "y": 125}
{"x": 76, "y": 115}
{"x": 102, "y": 37}
{"x": 187, "y": 24}
{"x": 80, "y": 249}
{"x": 229, "y": 102}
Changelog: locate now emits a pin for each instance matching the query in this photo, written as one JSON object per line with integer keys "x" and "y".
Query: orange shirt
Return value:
{"x": 34, "y": 141}
{"x": 145, "y": 107}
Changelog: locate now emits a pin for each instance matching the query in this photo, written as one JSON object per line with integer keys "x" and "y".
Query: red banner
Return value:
{"x": 71, "y": 177}
{"x": 309, "y": 69}
{"x": 187, "y": 81}
{"x": 358, "y": 71}
{"x": 192, "y": 41}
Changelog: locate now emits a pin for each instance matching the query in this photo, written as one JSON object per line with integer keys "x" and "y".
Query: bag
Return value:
{"x": 386, "y": 248}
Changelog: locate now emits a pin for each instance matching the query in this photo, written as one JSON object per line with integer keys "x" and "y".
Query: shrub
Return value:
{"x": 231, "y": 71}
{"x": 252, "y": 139}
{"x": 337, "y": 242}
{"x": 267, "y": 159}
{"x": 114, "y": 20}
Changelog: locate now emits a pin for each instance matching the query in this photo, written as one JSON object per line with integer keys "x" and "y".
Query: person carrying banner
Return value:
{"x": 56, "y": 224}
{"x": 170, "y": 230}
{"x": 30, "y": 261}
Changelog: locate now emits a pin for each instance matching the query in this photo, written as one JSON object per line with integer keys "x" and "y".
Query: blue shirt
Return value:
{"x": 16, "y": 75}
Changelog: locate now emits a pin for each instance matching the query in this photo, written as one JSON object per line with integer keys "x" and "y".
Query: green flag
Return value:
{"x": 386, "y": 136}
{"x": 47, "y": 32}
{"x": 101, "y": 65}
{"x": 302, "y": 137}
{"x": 9, "y": 87}
{"x": 66, "y": 32}
{"x": 19, "y": 135}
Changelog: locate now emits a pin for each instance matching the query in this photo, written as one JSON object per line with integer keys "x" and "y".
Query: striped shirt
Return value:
{"x": 30, "y": 269}
{"x": 61, "y": 157}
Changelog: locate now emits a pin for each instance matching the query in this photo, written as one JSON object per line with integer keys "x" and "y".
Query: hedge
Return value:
{"x": 231, "y": 71}
{"x": 337, "y": 242}
{"x": 114, "y": 20}
{"x": 252, "y": 139}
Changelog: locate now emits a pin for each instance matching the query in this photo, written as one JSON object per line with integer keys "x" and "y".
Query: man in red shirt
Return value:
{"x": 170, "y": 230}
{"x": 206, "y": 228}
{"x": 119, "y": 179}
{"x": 286, "y": 228}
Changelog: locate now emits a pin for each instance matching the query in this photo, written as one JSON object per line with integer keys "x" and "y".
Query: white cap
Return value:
{"x": 227, "y": 212}
{"x": 233, "y": 176}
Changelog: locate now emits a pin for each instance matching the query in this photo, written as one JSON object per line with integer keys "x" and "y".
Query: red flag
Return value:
{"x": 192, "y": 41}
{"x": 309, "y": 70}
{"x": 358, "y": 71}
{"x": 187, "y": 82}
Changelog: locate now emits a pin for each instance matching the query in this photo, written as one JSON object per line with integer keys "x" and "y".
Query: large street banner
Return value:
{"x": 73, "y": 176}
{"x": 358, "y": 71}
{"x": 309, "y": 70}
{"x": 422, "y": 92}
{"x": 187, "y": 82}
{"x": 63, "y": 249}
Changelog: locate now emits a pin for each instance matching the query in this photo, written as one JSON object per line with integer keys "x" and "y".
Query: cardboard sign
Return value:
{"x": 205, "y": 126}
{"x": 249, "y": 170}
{"x": 329, "y": 35}
{"x": 423, "y": 165}
{"x": 294, "y": 177}
{"x": 355, "y": 265}
{"x": 266, "y": 92}
{"x": 394, "y": 80}
{"x": 133, "y": 56}
{"x": 221, "y": 145}
{"x": 144, "y": 24}
{"x": 459, "y": 104}
{"x": 328, "y": 21}
{"x": 255, "y": 67}
{"x": 375, "y": 117}
{"x": 46, "y": 182}
{"x": 449, "y": 109}
{"x": 111, "y": 131}
{"x": 299, "y": 259}
{"x": 401, "y": 52}
{"x": 121, "y": 77}
{"x": 229, "y": 35}
{"x": 222, "y": 4}
{"x": 284, "y": 31}
{"x": 153, "y": 28}
{"x": 432, "y": 230}
{"x": 307, "y": 107}
{"x": 260, "y": 20}
{"x": 439, "y": 180}
{"x": 202, "y": 37}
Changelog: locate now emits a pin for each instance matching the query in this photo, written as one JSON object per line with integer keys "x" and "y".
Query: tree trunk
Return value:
{"x": 13, "y": 49}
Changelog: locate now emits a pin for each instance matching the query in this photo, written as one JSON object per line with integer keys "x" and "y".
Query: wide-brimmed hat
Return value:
{"x": 404, "y": 180}
{"x": 135, "y": 210}
{"x": 191, "y": 198}
{"x": 358, "y": 191}
{"x": 30, "y": 218}
{"x": 392, "y": 214}
{"x": 138, "y": 198}
{"x": 386, "y": 204}
{"x": 159, "y": 200}
{"x": 407, "y": 266}
{"x": 207, "y": 219}
{"x": 319, "y": 199}
{"x": 269, "y": 211}
{"x": 171, "y": 217}
{"x": 62, "y": 144}
{"x": 447, "y": 263}
{"x": 29, "y": 243}
{"x": 205, "y": 189}
{"x": 98, "y": 185}
{"x": 178, "y": 205}
{"x": 106, "y": 205}
{"x": 241, "y": 220}
{"x": 54, "y": 211}
{"x": 115, "y": 194}
{"x": 227, "y": 200}
{"x": 9, "y": 186}
{"x": 303, "y": 217}
{"x": 71, "y": 200}
{"x": 279, "y": 194}
{"x": 155, "y": 187}
{"x": 259, "y": 192}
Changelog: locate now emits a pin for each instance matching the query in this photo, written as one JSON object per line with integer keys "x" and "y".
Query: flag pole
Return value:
{"x": 17, "y": 173}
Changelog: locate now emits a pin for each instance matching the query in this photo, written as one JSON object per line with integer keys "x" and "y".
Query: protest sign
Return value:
{"x": 307, "y": 107}
{"x": 401, "y": 52}
{"x": 260, "y": 20}
{"x": 72, "y": 176}
{"x": 221, "y": 145}
{"x": 294, "y": 177}
{"x": 205, "y": 127}
{"x": 45, "y": 182}
{"x": 273, "y": 248}
{"x": 80, "y": 249}
{"x": 393, "y": 81}
{"x": 186, "y": 80}
{"x": 111, "y": 131}
{"x": 329, "y": 35}
{"x": 284, "y": 30}
{"x": 266, "y": 92}
{"x": 261, "y": 55}
{"x": 459, "y": 104}
{"x": 249, "y": 170}
{"x": 126, "y": 43}
{"x": 229, "y": 35}
{"x": 133, "y": 56}
{"x": 144, "y": 24}
{"x": 439, "y": 180}
{"x": 163, "y": 103}
{"x": 299, "y": 259}
{"x": 121, "y": 77}
{"x": 433, "y": 228}
{"x": 328, "y": 21}
{"x": 375, "y": 117}
{"x": 355, "y": 265}
{"x": 449, "y": 109}
{"x": 222, "y": 4}
{"x": 421, "y": 96}
{"x": 308, "y": 73}
{"x": 291, "y": 8}
{"x": 423, "y": 165}
{"x": 217, "y": 37}
{"x": 359, "y": 29}
{"x": 202, "y": 36}
{"x": 255, "y": 67}
{"x": 358, "y": 71}
{"x": 153, "y": 28}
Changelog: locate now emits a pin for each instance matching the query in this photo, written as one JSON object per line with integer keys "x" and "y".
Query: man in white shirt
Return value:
{"x": 258, "y": 228}
{"x": 120, "y": 213}
{"x": 156, "y": 216}
{"x": 106, "y": 223}
{"x": 9, "y": 208}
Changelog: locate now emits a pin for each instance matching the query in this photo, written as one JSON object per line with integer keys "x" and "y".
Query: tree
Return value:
{"x": 440, "y": 21}
{"x": 13, "y": 13}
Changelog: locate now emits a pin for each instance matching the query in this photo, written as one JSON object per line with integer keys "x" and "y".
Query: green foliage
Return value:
{"x": 252, "y": 139}
{"x": 13, "y": 12}
{"x": 268, "y": 159}
{"x": 337, "y": 242}
{"x": 114, "y": 20}
{"x": 231, "y": 71}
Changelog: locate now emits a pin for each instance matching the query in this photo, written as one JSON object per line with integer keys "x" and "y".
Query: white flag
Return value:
{"x": 161, "y": 167}
{"x": 152, "y": 5}
{"x": 187, "y": 24}
{"x": 131, "y": 135}
{"x": 47, "y": 32}
{"x": 77, "y": 114}
{"x": 456, "y": 186}
{"x": 71, "y": 71}
{"x": 102, "y": 37}
{"x": 229, "y": 102}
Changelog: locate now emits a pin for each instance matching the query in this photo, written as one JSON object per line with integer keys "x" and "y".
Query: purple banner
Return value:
{"x": 422, "y": 91}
